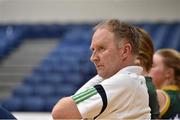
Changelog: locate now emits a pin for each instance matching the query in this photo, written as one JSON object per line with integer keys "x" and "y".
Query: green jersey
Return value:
{"x": 153, "y": 102}
{"x": 172, "y": 106}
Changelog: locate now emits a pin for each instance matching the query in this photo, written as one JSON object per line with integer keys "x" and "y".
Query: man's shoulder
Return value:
{"x": 124, "y": 79}
{"x": 131, "y": 69}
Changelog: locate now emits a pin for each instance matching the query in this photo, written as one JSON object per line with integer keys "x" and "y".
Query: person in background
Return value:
{"x": 4, "y": 114}
{"x": 145, "y": 59}
{"x": 119, "y": 90}
{"x": 166, "y": 77}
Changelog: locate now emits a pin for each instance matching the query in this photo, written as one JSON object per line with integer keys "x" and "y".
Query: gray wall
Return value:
{"x": 87, "y": 10}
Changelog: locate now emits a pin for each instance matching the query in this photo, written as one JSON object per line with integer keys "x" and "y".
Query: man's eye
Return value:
{"x": 92, "y": 49}
{"x": 101, "y": 49}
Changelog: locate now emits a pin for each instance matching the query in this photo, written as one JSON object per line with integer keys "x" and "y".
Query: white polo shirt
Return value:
{"x": 122, "y": 96}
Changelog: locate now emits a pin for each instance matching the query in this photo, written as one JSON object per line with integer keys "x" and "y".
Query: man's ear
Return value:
{"x": 127, "y": 48}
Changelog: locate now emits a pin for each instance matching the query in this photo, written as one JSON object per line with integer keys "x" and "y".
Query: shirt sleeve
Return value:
{"x": 89, "y": 102}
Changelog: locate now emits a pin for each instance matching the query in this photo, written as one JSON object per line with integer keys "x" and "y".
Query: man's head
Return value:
{"x": 114, "y": 46}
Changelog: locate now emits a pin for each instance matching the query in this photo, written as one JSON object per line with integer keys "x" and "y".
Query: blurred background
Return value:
{"x": 44, "y": 45}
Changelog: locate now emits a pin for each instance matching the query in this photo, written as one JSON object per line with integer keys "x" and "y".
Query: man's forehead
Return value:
{"x": 101, "y": 40}
{"x": 102, "y": 34}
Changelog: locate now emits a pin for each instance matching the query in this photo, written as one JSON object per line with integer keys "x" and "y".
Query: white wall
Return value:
{"x": 88, "y": 10}
{"x": 32, "y": 115}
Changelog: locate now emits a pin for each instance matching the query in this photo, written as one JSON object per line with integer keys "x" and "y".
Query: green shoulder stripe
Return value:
{"x": 84, "y": 95}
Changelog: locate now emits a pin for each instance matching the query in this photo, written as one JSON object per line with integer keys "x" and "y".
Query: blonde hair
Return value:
{"x": 171, "y": 59}
{"x": 146, "y": 50}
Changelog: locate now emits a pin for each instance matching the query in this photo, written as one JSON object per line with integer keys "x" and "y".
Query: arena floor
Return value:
{"x": 32, "y": 115}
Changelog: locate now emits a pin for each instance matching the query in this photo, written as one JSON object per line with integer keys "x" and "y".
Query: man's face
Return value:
{"x": 106, "y": 55}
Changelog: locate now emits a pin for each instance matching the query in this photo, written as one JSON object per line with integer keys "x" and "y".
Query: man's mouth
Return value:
{"x": 98, "y": 66}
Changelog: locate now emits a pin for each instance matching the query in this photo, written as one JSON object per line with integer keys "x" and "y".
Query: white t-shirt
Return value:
{"x": 122, "y": 96}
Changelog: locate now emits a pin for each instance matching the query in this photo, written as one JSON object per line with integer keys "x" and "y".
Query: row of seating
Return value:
{"x": 10, "y": 38}
{"x": 12, "y": 35}
{"x": 44, "y": 90}
{"x": 60, "y": 73}
{"x": 164, "y": 35}
{"x": 31, "y": 103}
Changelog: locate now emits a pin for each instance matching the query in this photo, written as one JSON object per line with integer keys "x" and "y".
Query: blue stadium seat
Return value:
{"x": 73, "y": 78}
{"x": 51, "y": 101}
{"x": 33, "y": 103}
{"x": 175, "y": 39}
{"x": 23, "y": 90}
{"x": 53, "y": 78}
{"x": 44, "y": 90}
{"x": 78, "y": 37}
{"x": 65, "y": 89}
{"x": 11, "y": 37}
{"x": 45, "y": 31}
{"x": 13, "y": 103}
{"x": 34, "y": 78}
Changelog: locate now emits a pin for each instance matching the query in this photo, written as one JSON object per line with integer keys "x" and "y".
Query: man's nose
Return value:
{"x": 94, "y": 57}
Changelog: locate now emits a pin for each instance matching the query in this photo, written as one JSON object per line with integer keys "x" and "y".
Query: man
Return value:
{"x": 118, "y": 91}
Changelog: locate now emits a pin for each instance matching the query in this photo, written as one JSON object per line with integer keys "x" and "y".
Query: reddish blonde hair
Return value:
{"x": 171, "y": 59}
{"x": 146, "y": 50}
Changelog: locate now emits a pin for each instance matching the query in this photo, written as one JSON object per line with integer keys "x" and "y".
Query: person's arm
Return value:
{"x": 66, "y": 108}
{"x": 164, "y": 101}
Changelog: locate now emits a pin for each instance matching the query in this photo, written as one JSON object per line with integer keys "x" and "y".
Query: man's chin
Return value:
{"x": 102, "y": 74}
